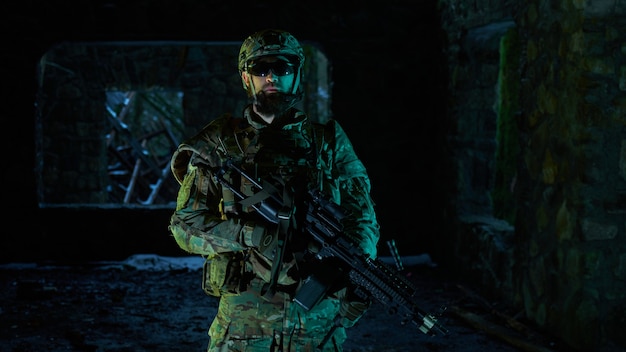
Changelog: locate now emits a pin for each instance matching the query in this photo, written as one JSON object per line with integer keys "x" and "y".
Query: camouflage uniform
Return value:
{"x": 208, "y": 221}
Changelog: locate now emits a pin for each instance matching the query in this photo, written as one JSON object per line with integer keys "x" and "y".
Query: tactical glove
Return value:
{"x": 351, "y": 307}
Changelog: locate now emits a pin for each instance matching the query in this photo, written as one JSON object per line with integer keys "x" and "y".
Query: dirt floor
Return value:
{"x": 120, "y": 308}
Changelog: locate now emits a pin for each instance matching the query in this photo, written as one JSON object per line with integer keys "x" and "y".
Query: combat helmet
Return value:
{"x": 272, "y": 42}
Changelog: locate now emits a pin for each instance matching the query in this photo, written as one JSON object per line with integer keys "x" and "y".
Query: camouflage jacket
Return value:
{"x": 206, "y": 220}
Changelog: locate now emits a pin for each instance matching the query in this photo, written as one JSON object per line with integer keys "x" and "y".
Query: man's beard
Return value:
{"x": 273, "y": 104}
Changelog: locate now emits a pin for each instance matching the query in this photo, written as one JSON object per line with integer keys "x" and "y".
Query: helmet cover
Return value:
{"x": 270, "y": 42}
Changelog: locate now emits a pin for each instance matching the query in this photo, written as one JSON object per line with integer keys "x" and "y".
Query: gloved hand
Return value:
{"x": 351, "y": 307}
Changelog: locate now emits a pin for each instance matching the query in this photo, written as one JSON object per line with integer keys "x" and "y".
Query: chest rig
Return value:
{"x": 285, "y": 154}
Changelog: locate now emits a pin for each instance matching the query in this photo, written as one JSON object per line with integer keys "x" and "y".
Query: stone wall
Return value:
{"x": 562, "y": 260}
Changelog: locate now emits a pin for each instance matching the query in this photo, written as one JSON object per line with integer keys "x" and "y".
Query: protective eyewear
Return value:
{"x": 278, "y": 68}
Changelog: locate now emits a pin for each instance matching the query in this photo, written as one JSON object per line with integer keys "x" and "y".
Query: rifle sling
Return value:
{"x": 284, "y": 228}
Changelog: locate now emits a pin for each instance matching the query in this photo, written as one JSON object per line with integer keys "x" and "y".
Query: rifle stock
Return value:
{"x": 339, "y": 256}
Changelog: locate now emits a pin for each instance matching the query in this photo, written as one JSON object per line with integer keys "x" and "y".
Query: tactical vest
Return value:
{"x": 300, "y": 151}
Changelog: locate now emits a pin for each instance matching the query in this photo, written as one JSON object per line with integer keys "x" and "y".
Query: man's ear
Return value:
{"x": 245, "y": 79}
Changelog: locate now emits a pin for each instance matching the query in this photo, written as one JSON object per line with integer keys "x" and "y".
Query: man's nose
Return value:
{"x": 270, "y": 76}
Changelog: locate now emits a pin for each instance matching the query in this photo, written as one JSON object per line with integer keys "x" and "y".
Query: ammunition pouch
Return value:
{"x": 225, "y": 274}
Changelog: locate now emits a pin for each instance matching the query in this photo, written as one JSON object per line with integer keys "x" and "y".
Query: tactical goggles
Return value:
{"x": 278, "y": 68}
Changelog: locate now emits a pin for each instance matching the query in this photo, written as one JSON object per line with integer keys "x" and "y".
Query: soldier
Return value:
{"x": 255, "y": 264}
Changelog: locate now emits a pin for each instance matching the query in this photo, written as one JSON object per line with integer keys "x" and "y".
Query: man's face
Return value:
{"x": 272, "y": 79}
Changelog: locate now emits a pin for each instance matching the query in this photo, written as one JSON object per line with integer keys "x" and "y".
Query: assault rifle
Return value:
{"x": 338, "y": 257}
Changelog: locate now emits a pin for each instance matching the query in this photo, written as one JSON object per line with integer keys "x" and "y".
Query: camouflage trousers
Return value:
{"x": 249, "y": 323}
